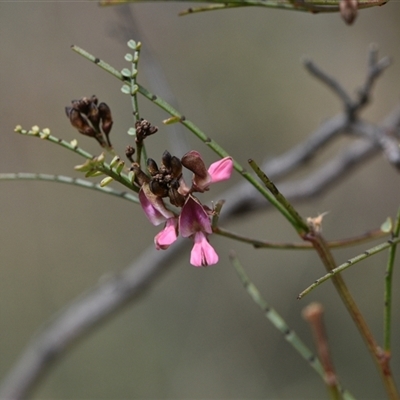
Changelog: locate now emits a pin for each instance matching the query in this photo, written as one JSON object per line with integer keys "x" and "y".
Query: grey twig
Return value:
{"x": 351, "y": 107}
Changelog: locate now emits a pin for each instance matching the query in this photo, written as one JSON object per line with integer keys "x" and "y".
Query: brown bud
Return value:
{"x": 129, "y": 152}
{"x": 93, "y": 116}
{"x": 158, "y": 188}
{"x": 193, "y": 161}
{"x": 106, "y": 118}
{"x": 166, "y": 160}
{"x": 80, "y": 123}
{"x": 152, "y": 166}
{"x": 176, "y": 167}
{"x": 140, "y": 177}
{"x": 144, "y": 129}
{"x": 175, "y": 197}
{"x": 348, "y": 10}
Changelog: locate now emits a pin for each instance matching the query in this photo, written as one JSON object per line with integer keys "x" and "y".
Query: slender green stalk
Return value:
{"x": 346, "y": 242}
{"x": 133, "y": 76}
{"x": 388, "y": 288}
{"x": 307, "y": 234}
{"x": 132, "y": 90}
{"x": 279, "y": 323}
{"x": 70, "y": 181}
{"x": 376, "y": 352}
{"x": 194, "y": 129}
{"x": 352, "y": 261}
{"x": 102, "y": 167}
{"x": 300, "y": 225}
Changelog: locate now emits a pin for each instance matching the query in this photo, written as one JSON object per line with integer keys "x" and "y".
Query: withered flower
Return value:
{"x": 91, "y": 119}
{"x": 144, "y": 129}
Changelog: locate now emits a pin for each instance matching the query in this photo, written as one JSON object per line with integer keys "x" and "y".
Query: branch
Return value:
{"x": 101, "y": 302}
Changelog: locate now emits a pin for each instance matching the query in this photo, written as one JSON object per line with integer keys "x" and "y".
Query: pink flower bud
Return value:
{"x": 221, "y": 170}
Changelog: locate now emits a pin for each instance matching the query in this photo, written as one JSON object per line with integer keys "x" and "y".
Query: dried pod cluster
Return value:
{"x": 91, "y": 119}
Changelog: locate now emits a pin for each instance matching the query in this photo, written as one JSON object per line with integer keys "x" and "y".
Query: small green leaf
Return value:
{"x": 135, "y": 88}
{"x": 126, "y": 72}
{"x": 126, "y": 89}
{"x": 93, "y": 173}
{"x": 132, "y": 44}
{"x": 171, "y": 120}
{"x": 106, "y": 181}
{"x": 387, "y": 226}
{"x": 132, "y": 131}
{"x": 129, "y": 57}
{"x": 114, "y": 161}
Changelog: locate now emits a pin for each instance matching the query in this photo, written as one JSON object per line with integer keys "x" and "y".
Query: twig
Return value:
{"x": 103, "y": 301}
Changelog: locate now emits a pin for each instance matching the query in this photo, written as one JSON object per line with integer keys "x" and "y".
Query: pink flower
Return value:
{"x": 203, "y": 254}
{"x": 194, "y": 219}
{"x": 168, "y": 235}
{"x": 194, "y": 222}
{"x": 153, "y": 206}
{"x": 219, "y": 171}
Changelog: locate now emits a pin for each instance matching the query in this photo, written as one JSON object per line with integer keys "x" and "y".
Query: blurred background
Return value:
{"x": 237, "y": 74}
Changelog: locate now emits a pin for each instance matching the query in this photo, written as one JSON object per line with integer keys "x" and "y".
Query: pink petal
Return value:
{"x": 203, "y": 254}
{"x": 168, "y": 235}
{"x": 193, "y": 218}
{"x": 153, "y": 206}
{"x": 221, "y": 170}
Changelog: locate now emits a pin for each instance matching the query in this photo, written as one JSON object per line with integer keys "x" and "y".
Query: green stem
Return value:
{"x": 103, "y": 167}
{"x": 377, "y": 353}
{"x": 298, "y": 222}
{"x": 197, "y": 132}
{"x": 70, "y": 181}
{"x": 279, "y": 323}
{"x": 352, "y": 261}
{"x": 259, "y": 244}
{"x": 388, "y": 288}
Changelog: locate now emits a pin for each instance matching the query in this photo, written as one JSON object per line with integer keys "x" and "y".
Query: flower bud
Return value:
{"x": 152, "y": 167}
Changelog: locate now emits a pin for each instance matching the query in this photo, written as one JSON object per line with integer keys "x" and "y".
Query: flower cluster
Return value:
{"x": 166, "y": 181}
{"x": 91, "y": 119}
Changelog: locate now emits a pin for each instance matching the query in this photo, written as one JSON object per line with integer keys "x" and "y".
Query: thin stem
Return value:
{"x": 70, "y": 181}
{"x": 388, "y": 288}
{"x": 377, "y": 354}
{"x": 212, "y": 144}
{"x": 352, "y": 261}
{"x": 133, "y": 75}
{"x": 259, "y": 244}
{"x": 305, "y": 6}
{"x": 102, "y": 167}
{"x": 299, "y": 224}
{"x": 279, "y": 323}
